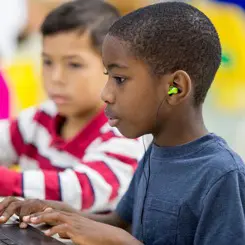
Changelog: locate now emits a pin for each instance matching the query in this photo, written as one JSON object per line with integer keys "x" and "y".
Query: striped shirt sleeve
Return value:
{"x": 8, "y": 154}
{"x": 11, "y": 140}
{"x": 97, "y": 182}
{"x": 94, "y": 183}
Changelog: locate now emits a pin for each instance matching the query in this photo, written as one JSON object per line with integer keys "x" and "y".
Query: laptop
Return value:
{"x": 11, "y": 234}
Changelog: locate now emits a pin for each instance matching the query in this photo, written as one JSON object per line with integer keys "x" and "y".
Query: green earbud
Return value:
{"x": 173, "y": 90}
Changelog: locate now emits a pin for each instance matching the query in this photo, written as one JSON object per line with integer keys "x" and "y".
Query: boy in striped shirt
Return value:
{"x": 66, "y": 149}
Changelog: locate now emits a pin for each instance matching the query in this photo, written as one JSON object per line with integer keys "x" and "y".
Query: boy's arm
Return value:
{"x": 95, "y": 183}
{"x": 122, "y": 218}
{"x": 112, "y": 219}
{"x": 222, "y": 220}
{"x": 12, "y": 205}
{"x": 90, "y": 231}
{"x": 123, "y": 215}
{"x": 12, "y": 146}
{"x": 82, "y": 230}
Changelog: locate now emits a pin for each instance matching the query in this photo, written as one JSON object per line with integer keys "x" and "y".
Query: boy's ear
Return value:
{"x": 182, "y": 82}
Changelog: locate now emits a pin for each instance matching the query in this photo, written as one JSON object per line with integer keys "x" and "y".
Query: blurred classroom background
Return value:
{"x": 20, "y": 47}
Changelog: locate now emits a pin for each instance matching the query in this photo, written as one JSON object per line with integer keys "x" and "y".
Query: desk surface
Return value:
{"x": 65, "y": 241}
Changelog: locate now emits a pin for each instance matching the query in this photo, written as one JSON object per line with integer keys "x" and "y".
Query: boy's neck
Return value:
{"x": 73, "y": 125}
{"x": 182, "y": 130}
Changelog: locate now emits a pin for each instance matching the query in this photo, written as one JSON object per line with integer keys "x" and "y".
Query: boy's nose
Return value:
{"x": 107, "y": 94}
{"x": 57, "y": 76}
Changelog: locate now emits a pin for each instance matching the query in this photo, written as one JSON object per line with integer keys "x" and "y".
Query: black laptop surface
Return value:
{"x": 11, "y": 234}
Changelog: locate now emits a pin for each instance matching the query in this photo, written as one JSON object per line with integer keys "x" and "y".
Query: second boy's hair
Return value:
{"x": 94, "y": 16}
{"x": 173, "y": 36}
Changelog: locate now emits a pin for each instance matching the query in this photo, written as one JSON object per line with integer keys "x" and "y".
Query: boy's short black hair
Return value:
{"x": 94, "y": 16}
{"x": 171, "y": 36}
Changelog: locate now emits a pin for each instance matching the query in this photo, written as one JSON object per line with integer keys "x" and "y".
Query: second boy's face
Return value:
{"x": 73, "y": 73}
{"x": 131, "y": 94}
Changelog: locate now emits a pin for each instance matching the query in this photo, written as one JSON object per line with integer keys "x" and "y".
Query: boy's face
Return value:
{"x": 131, "y": 93}
{"x": 73, "y": 73}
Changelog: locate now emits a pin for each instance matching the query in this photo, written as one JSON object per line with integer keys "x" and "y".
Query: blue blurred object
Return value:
{"x": 240, "y": 3}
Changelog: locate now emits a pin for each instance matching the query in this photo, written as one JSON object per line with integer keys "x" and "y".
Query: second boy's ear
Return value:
{"x": 180, "y": 88}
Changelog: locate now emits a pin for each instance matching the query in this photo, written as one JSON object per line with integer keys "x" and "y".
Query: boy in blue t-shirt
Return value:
{"x": 190, "y": 186}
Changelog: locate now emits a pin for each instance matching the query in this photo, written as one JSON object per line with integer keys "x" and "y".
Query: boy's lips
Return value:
{"x": 112, "y": 118}
{"x": 59, "y": 99}
{"x": 113, "y": 122}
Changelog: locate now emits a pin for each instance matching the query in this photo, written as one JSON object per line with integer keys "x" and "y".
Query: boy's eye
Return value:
{"x": 47, "y": 62}
{"x": 120, "y": 80}
{"x": 75, "y": 65}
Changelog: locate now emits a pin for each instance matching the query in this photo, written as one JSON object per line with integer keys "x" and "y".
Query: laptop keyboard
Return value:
{"x": 6, "y": 241}
{"x": 13, "y": 235}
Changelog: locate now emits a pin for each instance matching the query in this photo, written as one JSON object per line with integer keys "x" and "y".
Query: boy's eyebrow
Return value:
{"x": 71, "y": 56}
{"x": 65, "y": 57}
{"x": 44, "y": 54}
{"x": 114, "y": 65}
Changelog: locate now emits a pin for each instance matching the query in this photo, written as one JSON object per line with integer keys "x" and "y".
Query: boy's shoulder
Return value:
{"x": 47, "y": 108}
{"x": 35, "y": 118}
{"x": 223, "y": 159}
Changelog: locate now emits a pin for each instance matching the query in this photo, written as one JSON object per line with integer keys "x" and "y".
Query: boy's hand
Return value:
{"x": 11, "y": 205}
{"x": 80, "y": 230}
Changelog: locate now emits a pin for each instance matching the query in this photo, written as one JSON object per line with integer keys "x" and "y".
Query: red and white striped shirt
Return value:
{"x": 90, "y": 172}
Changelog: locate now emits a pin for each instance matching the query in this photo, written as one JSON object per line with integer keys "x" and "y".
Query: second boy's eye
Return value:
{"x": 120, "y": 80}
{"x": 75, "y": 65}
{"x": 47, "y": 62}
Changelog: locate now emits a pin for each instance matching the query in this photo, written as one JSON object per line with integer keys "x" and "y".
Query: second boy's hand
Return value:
{"x": 80, "y": 230}
{"x": 11, "y": 205}
{"x": 68, "y": 222}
